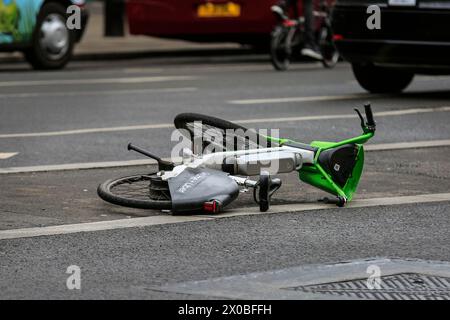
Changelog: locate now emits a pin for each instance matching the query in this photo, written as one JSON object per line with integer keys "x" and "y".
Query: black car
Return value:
{"x": 413, "y": 38}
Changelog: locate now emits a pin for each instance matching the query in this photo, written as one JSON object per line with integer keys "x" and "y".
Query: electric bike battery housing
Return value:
{"x": 195, "y": 188}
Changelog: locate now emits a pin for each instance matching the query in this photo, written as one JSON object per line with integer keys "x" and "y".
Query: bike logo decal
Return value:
{"x": 193, "y": 182}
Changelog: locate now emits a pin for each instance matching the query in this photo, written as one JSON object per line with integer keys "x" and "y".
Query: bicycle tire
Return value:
{"x": 105, "y": 191}
{"x": 279, "y": 52}
{"x": 327, "y": 47}
{"x": 186, "y": 120}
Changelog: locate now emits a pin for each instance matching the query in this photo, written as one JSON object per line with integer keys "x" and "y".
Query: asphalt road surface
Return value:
{"x": 82, "y": 118}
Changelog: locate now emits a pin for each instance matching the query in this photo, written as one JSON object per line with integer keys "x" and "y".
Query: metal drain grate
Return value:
{"x": 403, "y": 286}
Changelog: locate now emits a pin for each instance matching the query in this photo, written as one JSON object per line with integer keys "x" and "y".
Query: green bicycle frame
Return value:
{"x": 315, "y": 175}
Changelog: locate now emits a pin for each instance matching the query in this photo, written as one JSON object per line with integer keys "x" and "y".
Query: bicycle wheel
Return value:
{"x": 233, "y": 136}
{"x": 327, "y": 47}
{"x": 138, "y": 191}
{"x": 280, "y": 50}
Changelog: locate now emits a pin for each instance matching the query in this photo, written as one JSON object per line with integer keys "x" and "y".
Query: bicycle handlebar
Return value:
{"x": 162, "y": 164}
{"x": 368, "y": 124}
{"x": 369, "y": 115}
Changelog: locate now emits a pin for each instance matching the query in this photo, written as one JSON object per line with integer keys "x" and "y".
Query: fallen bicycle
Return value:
{"x": 209, "y": 182}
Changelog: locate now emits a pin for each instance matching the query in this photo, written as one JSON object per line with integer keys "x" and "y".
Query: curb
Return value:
{"x": 132, "y": 55}
{"x": 161, "y": 54}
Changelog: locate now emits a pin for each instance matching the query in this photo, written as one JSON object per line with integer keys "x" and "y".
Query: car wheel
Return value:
{"x": 381, "y": 80}
{"x": 52, "y": 41}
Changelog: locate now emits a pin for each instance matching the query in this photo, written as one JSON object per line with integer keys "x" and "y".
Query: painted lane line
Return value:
{"x": 359, "y": 203}
{"x": 232, "y": 67}
{"x": 247, "y": 121}
{"x": 305, "y": 99}
{"x": 142, "y": 70}
{"x": 113, "y": 72}
{"x": 84, "y": 131}
{"x": 96, "y": 226}
{"x": 347, "y": 116}
{"x": 95, "y": 93}
{"x": 142, "y": 162}
{"x": 431, "y": 78}
{"x": 407, "y": 145}
{"x": 77, "y": 166}
{"x": 7, "y": 155}
{"x": 131, "y": 80}
{"x": 167, "y": 219}
{"x": 85, "y": 166}
{"x": 254, "y": 67}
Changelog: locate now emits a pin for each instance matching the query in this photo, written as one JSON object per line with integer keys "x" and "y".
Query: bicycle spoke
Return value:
{"x": 140, "y": 188}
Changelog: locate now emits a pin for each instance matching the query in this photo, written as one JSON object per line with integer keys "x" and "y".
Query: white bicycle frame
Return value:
{"x": 275, "y": 160}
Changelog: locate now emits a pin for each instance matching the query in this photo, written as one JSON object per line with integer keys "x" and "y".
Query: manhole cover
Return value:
{"x": 403, "y": 286}
{"x": 400, "y": 280}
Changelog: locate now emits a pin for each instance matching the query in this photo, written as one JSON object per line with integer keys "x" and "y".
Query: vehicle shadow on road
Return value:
{"x": 427, "y": 95}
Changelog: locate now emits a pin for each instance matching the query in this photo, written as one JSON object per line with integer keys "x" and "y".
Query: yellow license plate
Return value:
{"x": 219, "y": 10}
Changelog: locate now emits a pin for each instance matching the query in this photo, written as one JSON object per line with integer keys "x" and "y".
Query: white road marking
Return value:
{"x": 250, "y": 67}
{"x": 358, "y": 203}
{"x": 78, "y": 166}
{"x": 305, "y": 99}
{"x": 95, "y": 93}
{"x": 248, "y": 121}
{"x": 131, "y": 80}
{"x": 81, "y": 166}
{"x": 82, "y": 131}
{"x": 115, "y": 71}
{"x": 96, "y": 226}
{"x": 129, "y": 163}
{"x": 417, "y": 78}
{"x": 431, "y": 78}
{"x": 407, "y": 145}
{"x": 7, "y": 155}
{"x": 167, "y": 219}
{"x": 346, "y": 116}
{"x": 141, "y": 70}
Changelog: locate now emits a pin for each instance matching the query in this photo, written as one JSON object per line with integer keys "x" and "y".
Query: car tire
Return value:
{"x": 52, "y": 42}
{"x": 381, "y": 80}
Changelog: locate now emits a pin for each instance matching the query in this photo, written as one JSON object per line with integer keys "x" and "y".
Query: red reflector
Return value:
{"x": 337, "y": 37}
{"x": 289, "y": 23}
{"x": 212, "y": 206}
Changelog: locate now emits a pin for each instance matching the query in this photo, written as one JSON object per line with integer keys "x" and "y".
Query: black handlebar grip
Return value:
{"x": 144, "y": 152}
{"x": 162, "y": 164}
{"x": 369, "y": 115}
